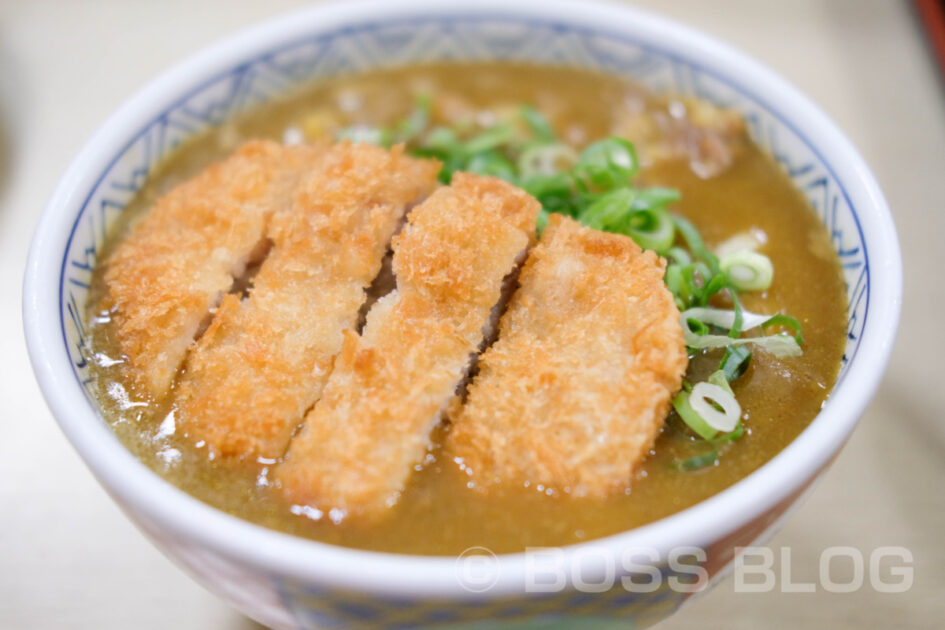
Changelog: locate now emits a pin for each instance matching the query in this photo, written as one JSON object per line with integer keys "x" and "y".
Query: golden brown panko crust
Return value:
{"x": 263, "y": 361}
{"x": 573, "y": 394}
{"x": 389, "y": 386}
{"x": 178, "y": 261}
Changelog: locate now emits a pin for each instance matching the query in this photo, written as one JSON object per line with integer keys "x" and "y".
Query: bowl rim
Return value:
{"x": 150, "y": 497}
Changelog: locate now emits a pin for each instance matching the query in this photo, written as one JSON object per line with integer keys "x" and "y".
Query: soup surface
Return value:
{"x": 438, "y": 514}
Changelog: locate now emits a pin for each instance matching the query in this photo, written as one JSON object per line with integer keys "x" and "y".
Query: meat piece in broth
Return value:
{"x": 573, "y": 394}
{"x": 263, "y": 361}
{"x": 708, "y": 137}
{"x": 390, "y": 384}
{"x": 179, "y": 260}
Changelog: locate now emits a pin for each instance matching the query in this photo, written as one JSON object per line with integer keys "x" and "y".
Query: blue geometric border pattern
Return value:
{"x": 442, "y": 38}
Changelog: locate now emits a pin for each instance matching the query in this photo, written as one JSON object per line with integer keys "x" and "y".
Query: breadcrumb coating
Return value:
{"x": 389, "y": 386}
{"x": 575, "y": 391}
{"x": 263, "y": 361}
{"x": 179, "y": 260}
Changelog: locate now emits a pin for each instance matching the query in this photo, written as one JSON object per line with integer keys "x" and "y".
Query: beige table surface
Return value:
{"x": 69, "y": 558}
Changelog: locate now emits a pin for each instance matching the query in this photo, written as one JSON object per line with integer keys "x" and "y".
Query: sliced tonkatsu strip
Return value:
{"x": 573, "y": 394}
{"x": 390, "y": 385}
{"x": 263, "y": 361}
{"x": 181, "y": 258}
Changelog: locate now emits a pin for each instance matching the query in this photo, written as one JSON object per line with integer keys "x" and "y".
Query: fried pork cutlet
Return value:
{"x": 263, "y": 361}
{"x": 389, "y": 386}
{"x": 180, "y": 259}
{"x": 590, "y": 351}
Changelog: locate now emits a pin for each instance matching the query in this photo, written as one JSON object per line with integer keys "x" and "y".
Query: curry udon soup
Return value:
{"x": 737, "y": 240}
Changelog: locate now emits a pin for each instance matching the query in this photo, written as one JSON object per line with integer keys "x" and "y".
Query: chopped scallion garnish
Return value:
{"x": 718, "y": 379}
{"x": 778, "y": 345}
{"x": 715, "y": 405}
{"x": 710, "y": 409}
{"x": 605, "y": 165}
{"x": 747, "y": 270}
{"x": 491, "y": 163}
{"x": 682, "y": 405}
{"x": 787, "y": 322}
{"x": 652, "y": 228}
{"x": 696, "y": 245}
{"x": 735, "y": 361}
{"x": 546, "y": 160}
{"x": 491, "y": 138}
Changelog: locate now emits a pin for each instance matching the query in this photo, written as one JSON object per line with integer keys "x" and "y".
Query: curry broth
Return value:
{"x": 438, "y": 514}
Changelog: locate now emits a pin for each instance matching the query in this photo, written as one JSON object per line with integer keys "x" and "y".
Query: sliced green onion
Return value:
{"x": 715, "y": 284}
{"x": 723, "y": 318}
{"x": 679, "y": 255}
{"x": 747, "y": 270}
{"x": 673, "y": 279}
{"x": 735, "y": 361}
{"x": 738, "y": 322}
{"x": 718, "y": 378}
{"x": 779, "y": 345}
{"x": 490, "y": 138}
{"x": 710, "y": 409}
{"x": 716, "y": 406}
{"x": 685, "y": 290}
{"x": 710, "y": 457}
{"x": 542, "y": 186}
{"x": 697, "y": 327}
{"x": 681, "y": 403}
{"x": 788, "y": 322}
{"x": 552, "y": 191}
{"x": 491, "y": 163}
{"x": 697, "y": 285}
{"x": 692, "y": 236}
{"x": 537, "y": 123}
{"x": 652, "y": 229}
{"x": 696, "y": 244}
{"x": 608, "y": 211}
{"x": 546, "y": 159}
{"x": 442, "y": 139}
{"x": 606, "y": 164}
{"x": 655, "y": 197}
{"x": 731, "y": 436}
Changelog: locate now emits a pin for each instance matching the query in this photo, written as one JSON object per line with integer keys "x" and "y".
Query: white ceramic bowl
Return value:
{"x": 289, "y": 582}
